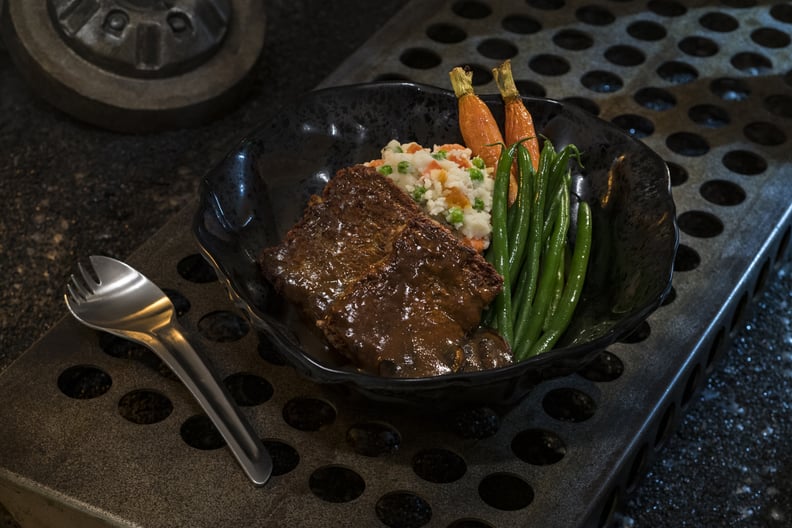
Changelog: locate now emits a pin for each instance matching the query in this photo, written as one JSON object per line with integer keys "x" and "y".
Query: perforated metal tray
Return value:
{"x": 95, "y": 433}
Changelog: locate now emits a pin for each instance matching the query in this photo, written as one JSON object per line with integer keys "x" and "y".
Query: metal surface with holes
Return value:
{"x": 709, "y": 88}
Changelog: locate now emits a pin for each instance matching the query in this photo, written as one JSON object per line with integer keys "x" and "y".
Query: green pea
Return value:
{"x": 479, "y": 163}
{"x": 478, "y": 204}
{"x": 440, "y": 155}
{"x": 418, "y": 193}
{"x": 385, "y": 170}
{"x": 455, "y": 215}
{"x": 403, "y": 167}
{"x": 476, "y": 174}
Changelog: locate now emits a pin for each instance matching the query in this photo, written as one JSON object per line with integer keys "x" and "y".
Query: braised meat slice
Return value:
{"x": 392, "y": 289}
{"x": 410, "y": 316}
{"x": 341, "y": 235}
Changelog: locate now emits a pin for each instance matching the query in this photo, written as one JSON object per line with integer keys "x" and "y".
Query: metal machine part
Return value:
{"x": 136, "y": 65}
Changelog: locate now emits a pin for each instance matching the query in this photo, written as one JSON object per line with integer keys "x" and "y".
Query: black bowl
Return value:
{"x": 260, "y": 190}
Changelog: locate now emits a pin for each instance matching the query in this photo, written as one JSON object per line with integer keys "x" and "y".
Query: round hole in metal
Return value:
{"x": 223, "y": 326}
{"x": 144, "y": 406}
{"x": 677, "y": 72}
{"x": 495, "y": 48}
{"x": 669, "y": 298}
{"x": 730, "y": 89}
{"x": 665, "y": 426}
{"x": 623, "y": 55}
{"x": 446, "y": 33}
{"x": 667, "y": 8}
{"x": 716, "y": 348}
{"x": 373, "y": 439}
{"x": 573, "y": 40}
{"x": 180, "y": 303}
{"x": 687, "y": 144}
{"x": 709, "y": 115}
{"x": 602, "y": 81}
{"x": 585, "y": 104}
{"x": 722, "y": 192}
{"x": 284, "y": 457}
{"x": 530, "y": 88}
{"x": 471, "y": 9}
{"x": 547, "y": 64}
{"x": 420, "y": 58}
{"x": 199, "y": 432}
{"x": 751, "y": 63}
{"x": 641, "y": 333}
{"x": 764, "y": 133}
{"x": 783, "y": 245}
{"x": 691, "y": 385}
{"x": 481, "y": 75}
{"x": 538, "y": 447}
{"x": 744, "y": 162}
{"x": 637, "y": 126}
{"x": 609, "y": 509}
{"x": 698, "y": 46}
{"x": 770, "y": 37}
{"x": 308, "y": 414}
{"x": 678, "y": 173}
{"x": 595, "y": 15}
{"x": 84, "y": 382}
{"x": 646, "y": 30}
{"x": 700, "y": 224}
{"x": 655, "y": 98}
{"x": 403, "y": 509}
{"x": 521, "y": 24}
{"x": 687, "y": 258}
{"x": 569, "y": 405}
{"x": 720, "y": 22}
{"x": 469, "y": 523}
{"x": 476, "y": 422}
{"x": 637, "y": 468}
{"x": 438, "y": 465}
{"x": 505, "y": 491}
{"x": 739, "y": 3}
{"x": 782, "y": 12}
{"x": 547, "y": 5}
{"x": 779, "y": 105}
{"x": 121, "y": 348}
{"x": 603, "y": 368}
{"x": 248, "y": 389}
{"x": 268, "y": 351}
{"x": 761, "y": 280}
{"x": 336, "y": 484}
{"x": 195, "y": 269}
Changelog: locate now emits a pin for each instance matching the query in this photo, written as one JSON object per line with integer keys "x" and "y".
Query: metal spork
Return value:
{"x": 125, "y": 303}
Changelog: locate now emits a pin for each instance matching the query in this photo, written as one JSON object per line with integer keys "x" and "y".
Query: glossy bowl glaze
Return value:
{"x": 250, "y": 199}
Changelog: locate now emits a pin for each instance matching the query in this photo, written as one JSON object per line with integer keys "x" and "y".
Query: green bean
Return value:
{"x": 574, "y": 283}
{"x": 560, "y": 169}
{"x": 522, "y": 219}
{"x": 499, "y": 249}
{"x": 530, "y": 322}
{"x": 529, "y": 269}
{"x": 558, "y": 290}
{"x": 552, "y": 212}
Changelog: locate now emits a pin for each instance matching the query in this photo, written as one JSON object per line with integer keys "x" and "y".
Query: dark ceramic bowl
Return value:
{"x": 260, "y": 190}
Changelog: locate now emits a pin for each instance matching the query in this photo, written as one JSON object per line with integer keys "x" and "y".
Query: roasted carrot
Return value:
{"x": 479, "y": 129}
{"x": 518, "y": 125}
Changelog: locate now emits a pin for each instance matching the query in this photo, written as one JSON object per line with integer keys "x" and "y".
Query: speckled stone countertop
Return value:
{"x": 68, "y": 190}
